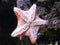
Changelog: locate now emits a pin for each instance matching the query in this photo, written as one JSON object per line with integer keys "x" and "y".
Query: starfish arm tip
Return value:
{"x": 47, "y": 22}
{"x": 12, "y": 35}
{"x": 15, "y": 9}
{"x": 34, "y": 5}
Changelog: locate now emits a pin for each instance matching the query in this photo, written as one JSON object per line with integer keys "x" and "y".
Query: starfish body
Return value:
{"x": 28, "y": 23}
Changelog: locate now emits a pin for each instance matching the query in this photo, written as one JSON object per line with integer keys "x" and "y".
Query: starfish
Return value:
{"x": 28, "y": 23}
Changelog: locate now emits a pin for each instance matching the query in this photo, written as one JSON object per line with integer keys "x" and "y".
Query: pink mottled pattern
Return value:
{"x": 28, "y": 23}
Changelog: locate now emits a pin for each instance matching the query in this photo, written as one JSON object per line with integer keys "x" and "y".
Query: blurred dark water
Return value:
{"x": 7, "y": 23}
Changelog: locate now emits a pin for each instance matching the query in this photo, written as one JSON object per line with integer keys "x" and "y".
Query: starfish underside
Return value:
{"x": 28, "y": 23}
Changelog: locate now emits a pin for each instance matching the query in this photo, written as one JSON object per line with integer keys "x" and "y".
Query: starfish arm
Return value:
{"x": 39, "y": 21}
{"x": 21, "y": 13}
{"x": 32, "y": 12}
{"x": 20, "y": 30}
{"x": 33, "y": 34}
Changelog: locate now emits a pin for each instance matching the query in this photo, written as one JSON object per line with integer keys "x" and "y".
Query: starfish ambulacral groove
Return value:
{"x": 28, "y": 23}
